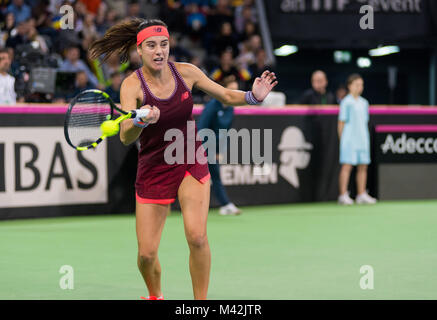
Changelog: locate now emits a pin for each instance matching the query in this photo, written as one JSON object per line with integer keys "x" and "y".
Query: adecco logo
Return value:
{"x": 405, "y": 145}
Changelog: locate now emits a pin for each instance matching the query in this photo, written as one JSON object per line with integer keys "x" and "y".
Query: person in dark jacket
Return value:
{"x": 217, "y": 116}
{"x": 318, "y": 94}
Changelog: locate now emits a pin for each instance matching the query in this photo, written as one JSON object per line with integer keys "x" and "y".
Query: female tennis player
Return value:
{"x": 165, "y": 89}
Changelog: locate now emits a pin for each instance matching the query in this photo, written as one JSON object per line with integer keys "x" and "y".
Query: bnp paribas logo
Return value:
{"x": 295, "y": 154}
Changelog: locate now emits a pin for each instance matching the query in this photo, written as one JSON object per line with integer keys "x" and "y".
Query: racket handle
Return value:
{"x": 140, "y": 113}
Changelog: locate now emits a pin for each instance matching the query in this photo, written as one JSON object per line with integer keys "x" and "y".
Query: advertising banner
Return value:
{"x": 351, "y": 23}
{"x": 39, "y": 168}
{"x": 406, "y": 157}
{"x": 41, "y": 176}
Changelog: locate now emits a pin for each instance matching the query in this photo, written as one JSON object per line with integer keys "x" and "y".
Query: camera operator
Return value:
{"x": 73, "y": 63}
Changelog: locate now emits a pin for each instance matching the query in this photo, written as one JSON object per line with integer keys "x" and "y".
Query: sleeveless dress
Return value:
{"x": 158, "y": 179}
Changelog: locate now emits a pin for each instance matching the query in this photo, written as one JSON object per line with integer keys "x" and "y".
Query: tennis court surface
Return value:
{"x": 304, "y": 251}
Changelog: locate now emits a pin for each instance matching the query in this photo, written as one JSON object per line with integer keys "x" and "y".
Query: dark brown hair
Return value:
{"x": 120, "y": 38}
{"x": 352, "y": 78}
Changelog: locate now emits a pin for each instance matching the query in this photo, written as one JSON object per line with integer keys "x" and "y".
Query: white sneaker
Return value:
{"x": 229, "y": 209}
{"x": 364, "y": 198}
{"x": 344, "y": 199}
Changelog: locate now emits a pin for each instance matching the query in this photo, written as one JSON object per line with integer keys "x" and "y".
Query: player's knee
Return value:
{"x": 197, "y": 240}
{"x": 146, "y": 258}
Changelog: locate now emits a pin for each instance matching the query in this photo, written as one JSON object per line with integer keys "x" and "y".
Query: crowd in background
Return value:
{"x": 219, "y": 36}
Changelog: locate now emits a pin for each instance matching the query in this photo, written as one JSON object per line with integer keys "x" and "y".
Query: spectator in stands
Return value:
{"x": 21, "y": 11}
{"x": 101, "y": 17}
{"x": 260, "y": 65}
{"x": 199, "y": 97}
{"x": 211, "y": 21}
{"x": 119, "y": 6}
{"x": 34, "y": 37}
{"x": 243, "y": 14}
{"x": 249, "y": 48}
{"x": 250, "y": 29}
{"x": 225, "y": 40}
{"x": 81, "y": 84}
{"x": 220, "y": 14}
{"x": 318, "y": 94}
{"x": 18, "y": 35}
{"x": 15, "y": 66}
{"x": 72, "y": 63}
{"x": 7, "y": 82}
{"x": 178, "y": 52}
{"x": 216, "y": 116}
{"x": 114, "y": 89}
{"x": 255, "y": 42}
{"x": 9, "y": 23}
{"x": 41, "y": 13}
{"x": 246, "y": 56}
{"x": 80, "y": 11}
{"x": 174, "y": 14}
{"x": 26, "y": 33}
{"x": 45, "y": 25}
{"x": 133, "y": 10}
{"x": 227, "y": 68}
{"x": 89, "y": 31}
{"x": 340, "y": 93}
{"x": 196, "y": 21}
{"x": 134, "y": 60}
{"x": 198, "y": 63}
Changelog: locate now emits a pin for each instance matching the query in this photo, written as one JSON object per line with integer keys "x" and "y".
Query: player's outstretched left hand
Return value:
{"x": 263, "y": 85}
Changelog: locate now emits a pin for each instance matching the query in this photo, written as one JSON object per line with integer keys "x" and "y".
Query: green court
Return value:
{"x": 302, "y": 251}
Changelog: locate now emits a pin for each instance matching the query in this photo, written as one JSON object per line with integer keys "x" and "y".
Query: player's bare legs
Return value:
{"x": 150, "y": 219}
{"x": 361, "y": 178}
{"x": 194, "y": 200}
{"x": 345, "y": 173}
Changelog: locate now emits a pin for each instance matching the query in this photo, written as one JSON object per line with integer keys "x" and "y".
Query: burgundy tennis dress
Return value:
{"x": 158, "y": 181}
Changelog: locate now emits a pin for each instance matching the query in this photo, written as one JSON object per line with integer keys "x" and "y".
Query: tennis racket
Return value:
{"x": 88, "y": 113}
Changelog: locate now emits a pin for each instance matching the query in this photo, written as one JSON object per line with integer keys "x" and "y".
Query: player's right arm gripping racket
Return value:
{"x": 91, "y": 117}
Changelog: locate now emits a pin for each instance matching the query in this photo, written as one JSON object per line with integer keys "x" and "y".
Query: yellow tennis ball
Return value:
{"x": 109, "y": 128}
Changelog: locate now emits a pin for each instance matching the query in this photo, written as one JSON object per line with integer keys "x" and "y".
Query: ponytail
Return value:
{"x": 120, "y": 38}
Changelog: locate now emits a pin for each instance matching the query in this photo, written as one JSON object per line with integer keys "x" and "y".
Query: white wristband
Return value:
{"x": 138, "y": 122}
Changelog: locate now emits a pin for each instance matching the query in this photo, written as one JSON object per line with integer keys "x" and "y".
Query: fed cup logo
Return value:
{"x": 294, "y": 154}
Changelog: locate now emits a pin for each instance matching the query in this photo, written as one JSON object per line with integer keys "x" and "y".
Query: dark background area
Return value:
{"x": 412, "y": 81}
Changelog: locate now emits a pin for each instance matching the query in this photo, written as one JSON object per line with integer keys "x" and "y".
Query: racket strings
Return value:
{"x": 87, "y": 113}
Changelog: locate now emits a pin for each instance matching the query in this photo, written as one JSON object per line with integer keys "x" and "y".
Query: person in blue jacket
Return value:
{"x": 217, "y": 116}
{"x": 353, "y": 132}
